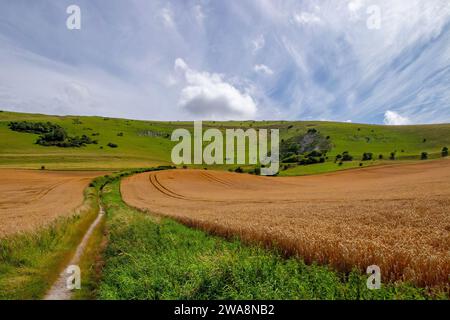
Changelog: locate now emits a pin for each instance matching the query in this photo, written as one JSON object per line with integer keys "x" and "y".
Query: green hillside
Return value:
{"x": 147, "y": 143}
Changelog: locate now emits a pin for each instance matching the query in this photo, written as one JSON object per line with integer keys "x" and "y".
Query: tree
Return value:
{"x": 392, "y": 156}
{"x": 424, "y": 156}
{"x": 367, "y": 156}
{"x": 444, "y": 152}
{"x": 346, "y": 156}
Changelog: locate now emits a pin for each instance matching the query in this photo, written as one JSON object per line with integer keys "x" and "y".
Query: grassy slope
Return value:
{"x": 154, "y": 258}
{"x": 135, "y": 150}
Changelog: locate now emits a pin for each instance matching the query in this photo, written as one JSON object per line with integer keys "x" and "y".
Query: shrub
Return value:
{"x": 444, "y": 152}
{"x": 360, "y": 164}
{"x": 112, "y": 145}
{"x": 380, "y": 157}
{"x": 367, "y": 156}
{"x": 424, "y": 156}
{"x": 120, "y": 134}
{"x": 392, "y": 156}
{"x": 239, "y": 170}
{"x": 42, "y": 167}
{"x": 346, "y": 156}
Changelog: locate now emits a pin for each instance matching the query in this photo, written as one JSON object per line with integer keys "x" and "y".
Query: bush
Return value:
{"x": 112, "y": 145}
{"x": 238, "y": 170}
{"x": 424, "y": 156}
{"x": 346, "y": 156}
{"x": 120, "y": 134}
{"x": 42, "y": 167}
{"x": 380, "y": 157}
{"x": 444, "y": 152}
{"x": 367, "y": 156}
{"x": 392, "y": 156}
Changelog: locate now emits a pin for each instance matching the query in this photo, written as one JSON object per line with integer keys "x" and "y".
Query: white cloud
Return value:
{"x": 258, "y": 43}
{"x": 354, "y": 5}
{"x": 306, "y": 18}
{"x": 262, "y": 68}
{"x": 392, "y": 118}
{"x": 209, "y": 96}
{"x": 198, "y": 13}
{"x": 167, "y": 17}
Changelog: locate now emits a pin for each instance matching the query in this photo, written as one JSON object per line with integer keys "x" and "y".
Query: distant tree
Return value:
{"x": 367, "y": 156}
{"x": 360, "y": 164}
{"x": 346, "y": 156}
{"x": 239, "y": 170}
{"x": 112, "y": 145}
{"x": 424, "y": 156}
{"x": 380, "y": 157}
{"x": 424, "y": 140}
{"x": 444, "y": 152}
{"x": 392, "y": 156}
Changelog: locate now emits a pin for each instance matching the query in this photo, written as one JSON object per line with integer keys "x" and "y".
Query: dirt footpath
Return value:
{"x": 397, "y": 217}
{"x": 30, "y": 198}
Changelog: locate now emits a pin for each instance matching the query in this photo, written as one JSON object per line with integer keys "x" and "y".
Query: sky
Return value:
{"x": 365, "y": 61}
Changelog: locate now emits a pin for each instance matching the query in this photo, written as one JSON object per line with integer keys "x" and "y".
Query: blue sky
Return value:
{"x": 249, "y": 59}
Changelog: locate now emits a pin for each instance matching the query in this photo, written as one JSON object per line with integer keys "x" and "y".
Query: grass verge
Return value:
{"x": 148, "y": 257}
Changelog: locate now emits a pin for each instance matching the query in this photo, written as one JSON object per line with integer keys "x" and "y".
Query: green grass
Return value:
{"x": 18, "y": 150}
{"x": 31, "y": 262}
{"x": 157, "y": 258}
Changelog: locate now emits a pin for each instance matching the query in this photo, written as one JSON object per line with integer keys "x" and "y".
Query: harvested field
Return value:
{"x": 30, "y": 199}
{"x": 396, "y": 217}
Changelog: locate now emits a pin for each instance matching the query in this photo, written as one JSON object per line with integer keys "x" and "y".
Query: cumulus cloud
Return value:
{"x": 209, "y": 96}
{"x": 262, "y": 68}
{"x": 392, "y": 118}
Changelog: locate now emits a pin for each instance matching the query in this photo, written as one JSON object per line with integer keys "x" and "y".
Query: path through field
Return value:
{"x": 397, "y": 217}
{"x": 31, "y": 198}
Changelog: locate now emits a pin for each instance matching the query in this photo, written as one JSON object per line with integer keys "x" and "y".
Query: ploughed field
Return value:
{"x": 31, "y": 198}
{"x": 397, "y": 217}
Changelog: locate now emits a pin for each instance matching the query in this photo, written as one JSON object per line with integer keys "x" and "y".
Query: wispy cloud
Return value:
{"x": 285, "y": 59}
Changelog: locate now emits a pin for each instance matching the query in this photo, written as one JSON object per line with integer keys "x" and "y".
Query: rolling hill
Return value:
{"x": 147, "y": 143}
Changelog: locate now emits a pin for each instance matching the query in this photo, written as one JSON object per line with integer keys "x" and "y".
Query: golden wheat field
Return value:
{"x": 31, "y": 198}
{"x": 397, "y": 217}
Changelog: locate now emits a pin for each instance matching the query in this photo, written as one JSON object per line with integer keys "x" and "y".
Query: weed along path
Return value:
{"x": 60, "y": 290}
{"x": 395, "y": 216}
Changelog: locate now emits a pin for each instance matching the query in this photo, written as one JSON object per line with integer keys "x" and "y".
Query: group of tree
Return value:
{"x": 51, "y": 134}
